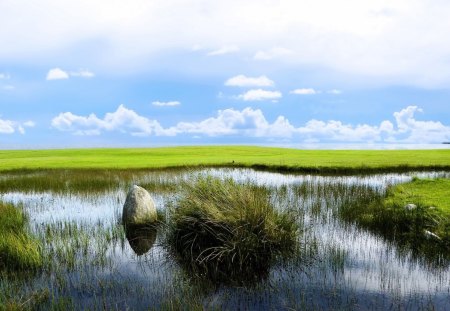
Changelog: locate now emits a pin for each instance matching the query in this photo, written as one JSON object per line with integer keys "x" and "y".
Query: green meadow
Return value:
{"x": 320, "y": 161}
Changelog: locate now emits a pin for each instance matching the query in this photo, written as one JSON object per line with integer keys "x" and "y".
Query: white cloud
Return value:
{"x": 169, "y": 103}
{"x": 275, "y": 52}
{"x": 6, "y": 127}
{"x": 244, "y": 81}
{"x": 82, "y": 73}
{"x": 29, "y": 124}
{"x": 415, "y": 131}
{"x": 123, "y": 120}
{"x": 351, "y": 36}
{"x": 373, "y": 38}
{"x": 251, "y": 122}
{"x": 248, "y": 122}
{"x": 57, "y": 74}
{"x": 10, "y": 127}
{"x": 227, "y": 49}
{"x": 259, "y": 95}
{"x": 305, "y": 91}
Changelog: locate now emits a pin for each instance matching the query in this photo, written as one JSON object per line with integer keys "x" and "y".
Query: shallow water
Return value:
{"x": 342, "y": 266}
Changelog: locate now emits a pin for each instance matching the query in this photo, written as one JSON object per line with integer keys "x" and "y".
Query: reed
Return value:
{"x": 18, "y": 249}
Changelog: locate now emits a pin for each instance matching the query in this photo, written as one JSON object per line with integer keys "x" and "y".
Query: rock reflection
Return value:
{"x": 141, "y": 238}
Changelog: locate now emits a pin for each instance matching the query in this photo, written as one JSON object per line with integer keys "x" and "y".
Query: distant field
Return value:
{"x": 239, "y": 156}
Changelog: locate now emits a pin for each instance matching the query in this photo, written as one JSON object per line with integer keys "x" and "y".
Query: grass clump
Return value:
{"x": 18, "y": 250}
{"x": 229, "y": 231}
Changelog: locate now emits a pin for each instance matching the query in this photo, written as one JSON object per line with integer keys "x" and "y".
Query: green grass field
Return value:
{"x": 427, "y": 192}
{"x": 338, "y": 161}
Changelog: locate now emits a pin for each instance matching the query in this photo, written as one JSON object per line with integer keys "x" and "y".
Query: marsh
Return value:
{"x": 90, "y": 263}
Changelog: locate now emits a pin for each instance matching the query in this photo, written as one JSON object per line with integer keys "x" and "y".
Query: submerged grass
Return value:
{"x": 229, "y": 232}
{"x": 18, "y": 249}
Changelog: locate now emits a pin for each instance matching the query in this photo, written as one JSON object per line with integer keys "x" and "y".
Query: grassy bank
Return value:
{"x": 18, "y": 250}
{"x": 426, "y": 192}
{"x": 319, "y": 161}
{"x": 416, "y": 214}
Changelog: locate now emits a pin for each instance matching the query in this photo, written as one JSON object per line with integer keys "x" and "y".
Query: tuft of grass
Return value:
{"x": 229, "y": 231}
{"x": 18, "y": 250}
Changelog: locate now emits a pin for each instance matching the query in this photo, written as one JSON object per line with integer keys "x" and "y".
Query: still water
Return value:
{"x": 341, "y": 266}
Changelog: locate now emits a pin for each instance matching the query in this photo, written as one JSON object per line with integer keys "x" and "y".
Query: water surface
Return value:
{"x": 341, "y": 266}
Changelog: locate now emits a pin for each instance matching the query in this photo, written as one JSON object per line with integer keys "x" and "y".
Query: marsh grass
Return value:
{"x": 228, "y": 231}
{"x": 83, "y": 180}
{"x": 409, "y": 228}
{"x": 88, "y": 263}
{"x": 18, "y": 249}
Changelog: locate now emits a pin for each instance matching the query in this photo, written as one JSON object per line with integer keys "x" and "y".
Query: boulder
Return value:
{"x": 139, "y": 207}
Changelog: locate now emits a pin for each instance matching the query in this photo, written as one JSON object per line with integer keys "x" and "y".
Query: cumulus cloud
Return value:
{"x": 227, "y": 49}
{"x": 10, "y": 127}
{"x": 123, "y": 120}
{"x": 260, "y": 95}
{"x": 305, "y": 91}
{"x": 275, "y": 52}
{"x": 167, "y": 104}
{"x": 244, "y": 81}
{"x": 414, "y": 131}
{"x": 57, "y": 74}
{"x": 6, "y": 127}
{"x": 247, "y": 122}
{"x": 250, "y": 122}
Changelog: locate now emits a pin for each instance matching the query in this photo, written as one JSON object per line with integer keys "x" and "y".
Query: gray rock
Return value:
{"x": 139, "y": 207}
{"x": 410, "y": 206}
{"x": 431, "y": 235}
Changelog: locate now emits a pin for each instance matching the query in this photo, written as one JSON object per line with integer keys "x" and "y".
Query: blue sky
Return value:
{"x": 147, "y": 73}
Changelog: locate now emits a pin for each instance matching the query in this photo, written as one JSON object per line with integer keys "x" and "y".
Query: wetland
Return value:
{"x": 89, "y": 261}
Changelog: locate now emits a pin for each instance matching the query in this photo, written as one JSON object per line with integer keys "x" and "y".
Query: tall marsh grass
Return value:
{"x": 84, "y": 181}
{"x": 18, "y": 250}
{"x": 229, "y": 231}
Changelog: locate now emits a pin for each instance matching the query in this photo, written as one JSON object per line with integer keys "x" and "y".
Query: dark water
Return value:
{"x": 341, "y": 266}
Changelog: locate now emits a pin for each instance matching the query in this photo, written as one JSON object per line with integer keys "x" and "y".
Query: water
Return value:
{"x": 341, "y": 266}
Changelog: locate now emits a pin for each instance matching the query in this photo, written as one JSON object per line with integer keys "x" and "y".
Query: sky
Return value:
{"x": 97, "y": 73}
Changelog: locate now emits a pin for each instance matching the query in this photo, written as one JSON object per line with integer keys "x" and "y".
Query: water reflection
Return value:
{"x": 352, "y": 267}
{"x": 141, "y": 238}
